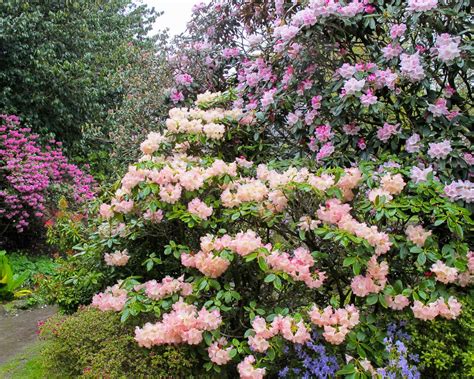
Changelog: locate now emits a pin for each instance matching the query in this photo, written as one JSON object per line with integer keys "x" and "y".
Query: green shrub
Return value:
{"x": 446, "y": 347}
{"x": 91, "y": 343}
{"x": 72, "y": 284}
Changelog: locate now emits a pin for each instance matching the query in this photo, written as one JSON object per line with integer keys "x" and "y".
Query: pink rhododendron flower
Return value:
{"x": 199, "y": 208}
{"x": 299, "y": 266}
{"x": 218, "y": 354}
{"x": 410, "y": 66}
{"x": 392, "y": 50}
{"x": 413, "y": 143}
{"x": 267, "y": 98}
{"x": 184, "y": 324}
{"x": 323, "y": 133}
{"x": 397, "y": 302}
{"x": 417, "y": 234}
{"x": 112, "y": 299}
{"x": 425, "y": 312}
{"x": 351, "y": 129}
{"x": 118, "y": 258}
{"x": 168, "y": 286}
{"x": 421, "y": 5}
{"x": 368, "y": 99}
{"x": 439, "y": 150}
{"x": 106, "y": 211}
{"x": 387, "y": 131}
{"x": 247, "y": 371}
{"x": 336, "y": 323}
{"x": 460, "y": 190}
{"x": 393, "y": 184}
{"x": 419, "y": 175}
{"x": 352, "y": 86}
{"x": 326, "y": 150}
{"x": 397, "y": 30}
{"x": 439, "y": 108}
{"x": 447, "y": 47}
{"x": 155, "y": 217}
{"x": 444, "y": 273}
{"x": 176, "y": 96}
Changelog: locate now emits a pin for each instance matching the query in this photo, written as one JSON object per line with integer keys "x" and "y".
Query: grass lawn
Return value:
{"x": 26, "y": 365}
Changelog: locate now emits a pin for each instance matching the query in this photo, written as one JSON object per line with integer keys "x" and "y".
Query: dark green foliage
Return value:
{"x": 58, "y": 60}
{"x": 72, "y": 284}
{"x": 96, "y": 344}
{"x": 446, "y": 347}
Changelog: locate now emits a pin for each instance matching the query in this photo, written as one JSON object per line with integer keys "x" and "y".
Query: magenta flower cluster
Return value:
{"x": 31, "y": 174}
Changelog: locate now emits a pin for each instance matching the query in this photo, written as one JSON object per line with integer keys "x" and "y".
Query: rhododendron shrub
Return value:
{"x": 33, "y": 176}
{"x": 341, "y": 80}
{"x": 242, "y": 260}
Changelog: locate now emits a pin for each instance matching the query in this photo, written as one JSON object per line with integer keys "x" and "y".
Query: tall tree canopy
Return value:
{"x": 58, "y": 59}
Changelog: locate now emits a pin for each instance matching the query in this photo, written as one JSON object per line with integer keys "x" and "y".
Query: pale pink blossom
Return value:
{"x": 248, "y": 371}
{"x": 417, "y": 234}
{"x": 397, "y": 302}
{"x": 200, "y": 209}
{"x": 439, "y": 150}
{"x": 444, "y": 273}
{"x": 118, "y": 258}
{"x": 421, "y": 5}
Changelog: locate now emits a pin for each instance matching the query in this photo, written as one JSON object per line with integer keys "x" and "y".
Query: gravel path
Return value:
{"x": 18, "y": 331}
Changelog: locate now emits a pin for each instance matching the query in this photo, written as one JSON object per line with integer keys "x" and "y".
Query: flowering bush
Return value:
{"x": 241, "y": 260}
{"x": 32, "y": 176}
{"x": 341, "y": 80}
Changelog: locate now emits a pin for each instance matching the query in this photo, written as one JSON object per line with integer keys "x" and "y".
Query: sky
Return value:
{"x": 177, "y": 14}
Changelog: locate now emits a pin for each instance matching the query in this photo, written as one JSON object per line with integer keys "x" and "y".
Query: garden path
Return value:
{"x": 18, "y": 331}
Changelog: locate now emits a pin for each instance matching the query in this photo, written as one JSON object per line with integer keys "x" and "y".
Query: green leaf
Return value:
{"x": 421, "y": 260}
{"x": 262, "y": 264}
{"x": 348, "y": 369}
{"x": 270, "y": 278}
{"x": 372, "y": 299}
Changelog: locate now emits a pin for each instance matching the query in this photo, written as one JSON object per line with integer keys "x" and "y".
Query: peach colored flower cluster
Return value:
{"x": 209, "y": 264}
{"x": 374, "y": 281}
{"x": 168, "y": 286}
{"x": 112, "y": 299}
{"x": 297, "y": 266}
{"x": 286, "y": 326}
{"x": 184, "y": 324}
{"x": 117, "y": 258}
{"x": 152, "y": 143}
{"x": 153, "y": 216}
{"x": 444, "y": 273}
{"x": 335, "y": 212}
{"x": 218, "y": 353}
{"x": 337, "y": 323}
{"x": 200, "y": 209}
{"x": 106, "y": 211}
{"x": 250, "y": 190}
{"x": 397, "y": 302}
{"x": 122, "y": 206}
{"x": 247, "y": 371}
{"x": 417, "y": 235}
{"x": 196, "y": 121}
{"x": 449, "y": 310}
{"x": 390, "y": 185}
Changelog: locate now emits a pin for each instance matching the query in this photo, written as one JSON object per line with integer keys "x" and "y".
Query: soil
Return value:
{"x": 18, "y": 330}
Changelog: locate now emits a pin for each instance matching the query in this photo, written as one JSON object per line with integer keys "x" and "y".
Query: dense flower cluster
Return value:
{"x": 257, "y": 232}
{"x": 168, "y": 286}
{"x": 337, "y": 323}
{"x": 112, "y": 299}
{"x": 287, "y": 327}
{"x": 31, "y": 174}
{"x": 184, "y": 324}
